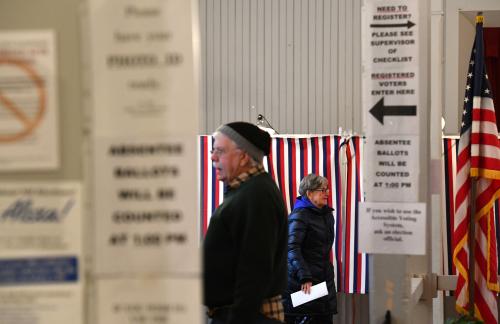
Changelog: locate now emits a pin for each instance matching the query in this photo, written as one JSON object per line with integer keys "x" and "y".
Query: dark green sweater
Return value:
{"x": 245, "y": 249}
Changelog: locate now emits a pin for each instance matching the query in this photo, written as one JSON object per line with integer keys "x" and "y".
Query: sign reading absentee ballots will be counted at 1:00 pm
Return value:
{"x": 145, "y": 206}
{"x": 390, "y": 67}
{"x": 392, "y": 171}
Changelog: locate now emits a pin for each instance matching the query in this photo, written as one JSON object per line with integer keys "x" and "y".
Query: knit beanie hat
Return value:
{"x": 248, "y": 137}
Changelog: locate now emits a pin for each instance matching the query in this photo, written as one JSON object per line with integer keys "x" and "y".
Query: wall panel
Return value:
{"x": 297, "y": 62}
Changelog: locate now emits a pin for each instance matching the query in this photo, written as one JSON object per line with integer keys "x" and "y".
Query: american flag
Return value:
{"x": 478, "y": 157}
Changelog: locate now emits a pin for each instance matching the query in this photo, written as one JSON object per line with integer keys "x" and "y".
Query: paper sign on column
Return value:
{"x": 144, "y": 67}
{"x": 392, "y": 228}
{"x": 28, "y": 101}
{"x": 145, "y": 205}
{"x": 40, "y": 253}
{"x": 159, "y": 301}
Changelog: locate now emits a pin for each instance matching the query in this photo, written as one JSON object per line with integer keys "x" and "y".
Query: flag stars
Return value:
{"x": 466, "y": 99}
{"x": 487, "y": 91}
{"x": 469, "y": 75}
{"x": 471, "y": 63}
{"x": 467, "y": 87}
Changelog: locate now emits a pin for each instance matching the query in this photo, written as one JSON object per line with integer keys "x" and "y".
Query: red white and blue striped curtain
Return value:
{"x": 291, "y": 159}
{"x": 356, "y": 263}
{"x": 211, "y": 190}
{"x": 449, "y": 168}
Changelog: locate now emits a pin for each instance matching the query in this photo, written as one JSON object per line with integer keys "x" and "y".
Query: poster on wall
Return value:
{"x": 28, "y": 101}
{"x": 41, "y": 253}
{"x": 146, "y": 205}
{"x": 149, "y": 301}
{"x": 143, "y": 67}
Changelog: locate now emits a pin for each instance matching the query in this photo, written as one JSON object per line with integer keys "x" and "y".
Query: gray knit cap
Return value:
{"x": 248, "y": 137}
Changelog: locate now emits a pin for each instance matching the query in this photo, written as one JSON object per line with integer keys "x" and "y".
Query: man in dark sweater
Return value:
{"x": 245, "y": 248}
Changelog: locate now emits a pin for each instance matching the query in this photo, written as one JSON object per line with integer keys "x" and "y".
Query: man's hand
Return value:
{"x": 306, "y": 287}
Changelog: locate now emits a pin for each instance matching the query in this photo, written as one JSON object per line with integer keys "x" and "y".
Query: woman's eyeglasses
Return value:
{"x": 323, "y": 190}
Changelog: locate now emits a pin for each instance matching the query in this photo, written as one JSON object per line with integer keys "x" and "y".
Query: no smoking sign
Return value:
{"x": 22, "y": 99}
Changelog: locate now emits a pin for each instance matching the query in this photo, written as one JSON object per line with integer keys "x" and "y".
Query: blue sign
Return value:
{"x": 38, "y": 270}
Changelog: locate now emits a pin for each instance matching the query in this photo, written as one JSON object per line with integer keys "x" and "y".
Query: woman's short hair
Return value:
{"x": 312, "y": 182}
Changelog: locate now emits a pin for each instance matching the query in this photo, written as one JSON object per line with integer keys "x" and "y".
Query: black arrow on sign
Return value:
{"x": 379, "y": 111}
{"x": 408, "y": 25}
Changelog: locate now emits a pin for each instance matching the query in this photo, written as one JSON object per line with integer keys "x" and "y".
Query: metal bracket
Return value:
{"x": 423, "y": 287}
{"x": 417, "y": 288}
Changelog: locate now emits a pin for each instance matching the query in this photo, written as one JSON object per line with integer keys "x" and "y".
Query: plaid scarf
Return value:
{"x": 271, "y": 308}
{"x": 236, "y": 182}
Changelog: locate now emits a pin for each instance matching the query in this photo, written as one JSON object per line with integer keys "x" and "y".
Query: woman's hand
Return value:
{"x": 306, "y": 287}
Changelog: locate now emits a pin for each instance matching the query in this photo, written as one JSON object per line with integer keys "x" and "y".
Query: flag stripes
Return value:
{"x": 449, "y": 164}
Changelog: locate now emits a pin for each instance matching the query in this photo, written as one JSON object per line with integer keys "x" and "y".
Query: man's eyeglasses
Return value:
{"x": 220, "y": 151}
{"x": 323, "y": 190}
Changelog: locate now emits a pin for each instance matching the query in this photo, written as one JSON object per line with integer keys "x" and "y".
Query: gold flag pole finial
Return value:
{"x": 479, "y": 17}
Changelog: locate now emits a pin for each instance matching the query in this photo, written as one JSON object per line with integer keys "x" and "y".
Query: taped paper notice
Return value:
{"x": 317, "y": 291}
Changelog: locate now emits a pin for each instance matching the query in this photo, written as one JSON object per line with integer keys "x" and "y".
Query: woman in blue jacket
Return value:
{"x": 311, "y": 230}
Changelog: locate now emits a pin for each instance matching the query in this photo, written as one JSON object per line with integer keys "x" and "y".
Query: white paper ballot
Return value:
{"x": 317, "y": 291}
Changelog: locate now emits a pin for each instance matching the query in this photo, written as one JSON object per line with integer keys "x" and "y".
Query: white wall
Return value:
{"x": 297, "y": 62}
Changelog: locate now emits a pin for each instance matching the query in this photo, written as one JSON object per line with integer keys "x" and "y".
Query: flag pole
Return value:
{"x": 472, "y": 244}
